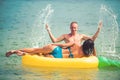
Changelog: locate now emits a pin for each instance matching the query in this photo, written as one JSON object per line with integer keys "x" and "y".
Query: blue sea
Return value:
{"x": 22, "y": 25}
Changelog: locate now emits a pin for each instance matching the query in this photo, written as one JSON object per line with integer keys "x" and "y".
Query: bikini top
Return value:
{"x": 70, "y": 55}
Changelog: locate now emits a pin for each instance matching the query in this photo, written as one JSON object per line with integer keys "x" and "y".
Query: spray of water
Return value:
{"x": 109, "y": 32}
{"x": 38, "y": 30}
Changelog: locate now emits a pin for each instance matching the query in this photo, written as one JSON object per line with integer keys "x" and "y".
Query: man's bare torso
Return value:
{"x": 76, "y": 48}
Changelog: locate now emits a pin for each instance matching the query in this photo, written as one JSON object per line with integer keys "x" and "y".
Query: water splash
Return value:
{"x": 109, "y": 32}
{"x": 38, "y": 30}
{"x": 48, "y": 10}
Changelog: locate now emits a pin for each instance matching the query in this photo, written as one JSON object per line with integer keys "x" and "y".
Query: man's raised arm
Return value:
{"x": 52, "y": 37}
{"x": 97, "y": 32}
{"x": 85, "y": 37}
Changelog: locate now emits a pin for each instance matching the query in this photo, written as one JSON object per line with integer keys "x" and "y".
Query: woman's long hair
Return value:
{"x": 88, "y": 47}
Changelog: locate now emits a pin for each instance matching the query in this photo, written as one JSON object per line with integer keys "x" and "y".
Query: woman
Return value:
{"x": 58, "y": 50}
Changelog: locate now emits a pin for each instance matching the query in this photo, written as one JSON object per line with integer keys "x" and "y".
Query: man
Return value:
{"x": 74, "y": 36}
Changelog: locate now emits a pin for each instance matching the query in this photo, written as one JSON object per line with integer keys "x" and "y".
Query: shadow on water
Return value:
{"x": 71, "y": 74}
{"x": 19, "y": 72}
{"x": 61, "y": 74}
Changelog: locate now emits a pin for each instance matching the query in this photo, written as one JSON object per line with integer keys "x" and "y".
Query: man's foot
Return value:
{"x": 10, "y": 53}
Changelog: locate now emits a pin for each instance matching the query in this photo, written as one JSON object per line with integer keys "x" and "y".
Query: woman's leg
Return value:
{"x": 44, "y": 50}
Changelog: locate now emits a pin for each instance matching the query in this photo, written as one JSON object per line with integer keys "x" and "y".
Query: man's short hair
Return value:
{"x": 73, "y": 23}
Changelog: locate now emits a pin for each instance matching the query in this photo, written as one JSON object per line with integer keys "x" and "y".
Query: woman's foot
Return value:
{"x": 19, "y": 53}
{"x": 10, "y": 53}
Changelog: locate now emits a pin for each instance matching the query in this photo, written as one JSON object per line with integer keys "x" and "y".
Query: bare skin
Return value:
{"x": 74, "y": 37}
{"x": 40, "y": 51}
{"x": 48, "y": 49}
{"x": 72, "y": 40}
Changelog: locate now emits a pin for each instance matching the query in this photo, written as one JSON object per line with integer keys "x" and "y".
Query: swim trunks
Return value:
{"x": 57, "y": 52}
{"x": 70, "y": 55}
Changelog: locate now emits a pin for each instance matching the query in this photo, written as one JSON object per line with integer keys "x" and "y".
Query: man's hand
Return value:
{"x": 100, "y": 25}
{"x": 48, "y": 29}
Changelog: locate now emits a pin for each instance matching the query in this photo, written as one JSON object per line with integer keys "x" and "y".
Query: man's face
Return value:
{"x": 74, "y": 27}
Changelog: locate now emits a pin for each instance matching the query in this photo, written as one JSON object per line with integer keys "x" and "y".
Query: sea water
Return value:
{"x": 22, "y": 24}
